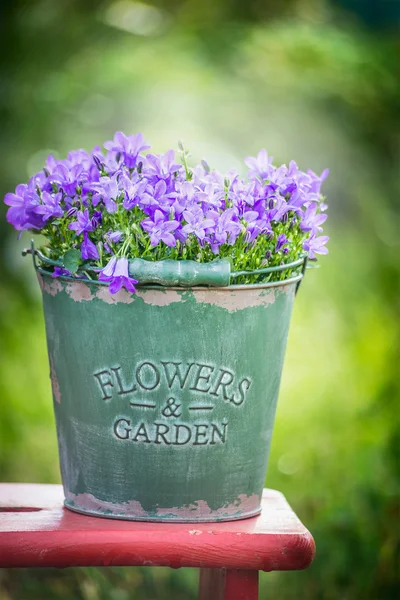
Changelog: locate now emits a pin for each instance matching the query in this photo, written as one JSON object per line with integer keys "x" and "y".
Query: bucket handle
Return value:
{"x": 183, "y": 273}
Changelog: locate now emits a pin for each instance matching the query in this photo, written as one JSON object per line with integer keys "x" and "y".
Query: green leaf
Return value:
{"x": 72, "y": 259}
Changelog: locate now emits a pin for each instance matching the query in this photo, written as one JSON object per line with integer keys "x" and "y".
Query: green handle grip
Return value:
{"x": 182, "y": 273}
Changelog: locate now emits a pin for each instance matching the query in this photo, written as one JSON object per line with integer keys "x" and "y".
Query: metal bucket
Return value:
{"x": 165, "y": 399}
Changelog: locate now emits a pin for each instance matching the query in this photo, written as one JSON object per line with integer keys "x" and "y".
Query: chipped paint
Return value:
{"x": 244, "y": 506}
{"x": 200, "y": 510}
{"x": 163, "y": 297}
{"x": 233, "y": 300}
{"x": 122, "y": 297}
{"x": 79, "y": 291}
{"x": 52, "y": 286}
{"x": 88, "y": 503}
{"x": 286, "y": 288}
{"x": 54, "y": 382}
{"x": 229, "y": 299}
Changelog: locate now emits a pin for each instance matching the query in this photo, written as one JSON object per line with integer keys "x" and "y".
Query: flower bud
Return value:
{"x": 96, "y": 218}
{"x": 205, "y": 166}
{"x": 98, "y": 163}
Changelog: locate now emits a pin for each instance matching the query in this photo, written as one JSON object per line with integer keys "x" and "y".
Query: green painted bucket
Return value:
{"x": 165, "y": 399}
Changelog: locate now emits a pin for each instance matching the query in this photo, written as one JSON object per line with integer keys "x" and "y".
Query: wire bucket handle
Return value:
{"x": 182, "y": 273}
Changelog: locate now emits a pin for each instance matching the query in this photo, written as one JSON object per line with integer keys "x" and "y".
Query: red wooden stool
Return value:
{"x": 37, "y": 531}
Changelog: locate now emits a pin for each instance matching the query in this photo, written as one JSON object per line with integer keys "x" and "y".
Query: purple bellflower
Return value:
{"x": 117, "y": 275}
{"x": 106, "y": 190}
{"x": 124, "y": 202}
{"x": 128, "y": 147}
{"x": 260, "y": 167}
{"x": 160, "y": 229}
{"x": 312, "y": 220}
{"x": 316, "y": 245}
{"x": 22, "y": 212}
{"x": 227, "y": 228}
{"x": 88, "y": 248}
{"x": 61, "y": 272}
{"x": 196, "y": 222}
{"x": 162, "y": 166}
{"x": 83, "y": 222}
{"x": 280, "y": 242}
{"x": 51, "y": 207}
{"x": 68, "y": 178}
{"x": 113, "y": 237}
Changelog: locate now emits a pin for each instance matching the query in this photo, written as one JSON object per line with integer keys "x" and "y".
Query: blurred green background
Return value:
{"x": 311, "y": 80}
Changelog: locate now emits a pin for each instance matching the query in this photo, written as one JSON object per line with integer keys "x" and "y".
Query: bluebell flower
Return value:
{"x": 116, "y": 273}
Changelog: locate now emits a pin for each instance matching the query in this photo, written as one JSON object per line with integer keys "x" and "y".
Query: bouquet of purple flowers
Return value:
{"x": 99, "y": 210}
